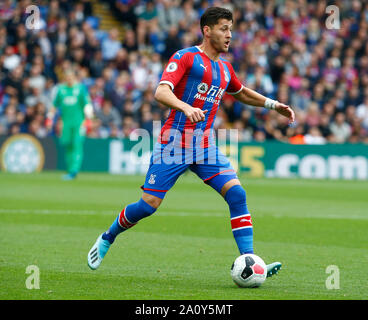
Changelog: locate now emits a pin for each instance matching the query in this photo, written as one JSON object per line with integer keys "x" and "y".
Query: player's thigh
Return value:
{"x": 78, "y": 136}
{"x": 161, "y": 175}
{"x": 66, "y": 137}
{"x": 161, "y": 178}
{"x": 219, "y": 174}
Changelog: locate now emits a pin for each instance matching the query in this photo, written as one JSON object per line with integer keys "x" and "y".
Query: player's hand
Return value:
{"x": 285, "y": 110}
{"x": 195, "y": 114}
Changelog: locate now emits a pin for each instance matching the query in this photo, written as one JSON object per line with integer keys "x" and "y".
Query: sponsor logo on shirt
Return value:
{"x": 214, "y": 94}
{"x": 70, "y": 100}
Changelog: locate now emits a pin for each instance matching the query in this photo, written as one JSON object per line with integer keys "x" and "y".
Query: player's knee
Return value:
{"x": 153, "y": 201}
{"x": 236, "y": 196}
{"x": 228, "y": 185}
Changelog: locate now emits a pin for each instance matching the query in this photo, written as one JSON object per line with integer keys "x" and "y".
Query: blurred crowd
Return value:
{"x": 280, "y": 48}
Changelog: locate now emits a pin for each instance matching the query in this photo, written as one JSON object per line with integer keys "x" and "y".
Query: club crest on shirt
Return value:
{"x": 202, "y": 87}
{"x": 171, "y": 67}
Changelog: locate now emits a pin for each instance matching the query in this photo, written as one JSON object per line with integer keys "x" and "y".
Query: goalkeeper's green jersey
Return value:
{"x": 71, "y": 102}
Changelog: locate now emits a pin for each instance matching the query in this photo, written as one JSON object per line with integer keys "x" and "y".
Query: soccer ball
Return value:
{"x": 248, "y": 271}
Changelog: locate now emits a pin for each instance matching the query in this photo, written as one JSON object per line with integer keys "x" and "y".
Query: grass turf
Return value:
{"x": 185, "y": 250}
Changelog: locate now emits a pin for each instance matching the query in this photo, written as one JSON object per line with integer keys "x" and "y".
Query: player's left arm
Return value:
{"x": 56, "y": 101}
{"x": 253, "y": 98}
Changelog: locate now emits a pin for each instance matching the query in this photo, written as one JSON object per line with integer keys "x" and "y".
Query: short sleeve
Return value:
{"x": 235, "y": 85}
{"x": 175, "y": 69}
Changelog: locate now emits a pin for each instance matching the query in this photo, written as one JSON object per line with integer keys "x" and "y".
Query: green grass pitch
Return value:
{"x": 185, "y": 250}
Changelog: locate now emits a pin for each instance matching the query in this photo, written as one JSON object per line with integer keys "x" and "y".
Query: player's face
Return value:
{"x": 70, "y": 79}
{"x": 220, "y": 35}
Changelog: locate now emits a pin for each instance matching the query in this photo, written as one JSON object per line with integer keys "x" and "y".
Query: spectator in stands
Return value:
{"x": 109, "y": 118}
{"x": 9, "y": 117}
{"x": 124, "y": 10}
{"x": 260, "y": 81}
{"x": 281, "y": 48}
{"x": 340, "y": 128}
{"x": 314, "y": 136}
{"x": 12, "y": 83}
{"x": 111, "y": 45}
{"x": 324, "y": 127}
{"x": 362, "y": 112}
{"x": 146, "y": 18}
{"x": 172, "y": 43}
{"x": 169, "y": 14}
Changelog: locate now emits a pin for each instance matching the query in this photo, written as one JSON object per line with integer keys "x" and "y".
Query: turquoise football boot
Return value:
{"x": 98, "y": 252}
{"x": 273, "y": 268}
{"x": 69, "y": 176}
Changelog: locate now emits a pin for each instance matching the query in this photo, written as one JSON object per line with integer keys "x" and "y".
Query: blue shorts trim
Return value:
{"x": 228, "y": 170}
{"x": 158, "y": 193}
{"x": 218, "y": 181}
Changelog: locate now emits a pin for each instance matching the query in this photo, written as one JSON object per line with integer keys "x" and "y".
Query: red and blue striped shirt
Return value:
{"x": 200, "y": 82}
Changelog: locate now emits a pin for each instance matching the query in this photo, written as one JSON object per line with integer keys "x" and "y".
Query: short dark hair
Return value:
{"x": 213, "y": 14}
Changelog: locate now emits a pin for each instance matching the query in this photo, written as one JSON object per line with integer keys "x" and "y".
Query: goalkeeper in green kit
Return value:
{"x": 74, "y": 104}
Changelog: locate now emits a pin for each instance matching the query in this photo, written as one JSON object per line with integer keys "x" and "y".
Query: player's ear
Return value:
{"x": 206, "y": 30}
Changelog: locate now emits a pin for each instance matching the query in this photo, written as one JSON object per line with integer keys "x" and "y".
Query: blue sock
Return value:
{"x": 127, "y": 218}
{"x": 241, "y": 222}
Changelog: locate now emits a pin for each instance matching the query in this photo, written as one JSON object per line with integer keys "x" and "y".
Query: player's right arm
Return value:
{"x": 174, "y": 72}
{"x": 165, "y": 95}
